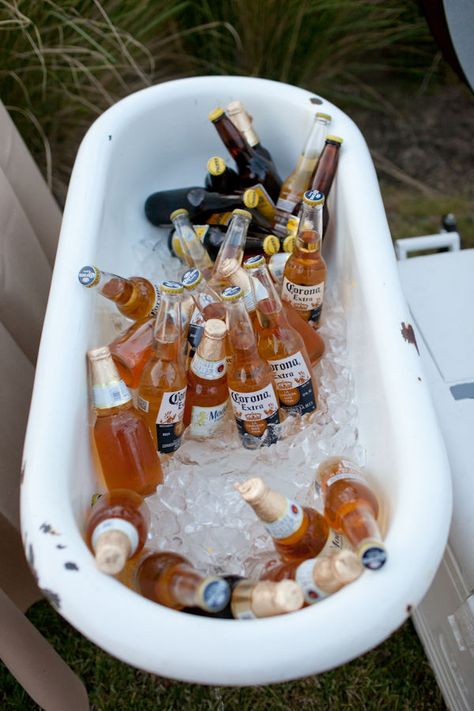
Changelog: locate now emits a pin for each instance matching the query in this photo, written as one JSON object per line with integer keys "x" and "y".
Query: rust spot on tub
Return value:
{"x": 47, "y": 528}
{"x": 70, "y": 566}
{"x": 316, "y": 100}
{"x": 409, "y": 609}
{"x": 409, "y": 335}
{"x": 61, "y": 546}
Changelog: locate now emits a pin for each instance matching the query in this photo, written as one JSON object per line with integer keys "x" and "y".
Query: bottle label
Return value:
{"x": 213, "y": 594}
{"x": 347, "y": 476}
{"x": 111, "y": 394}
{"x": 249, "y": 300}
{"x": 304, "y": 298}
{"x": 286, "y": 205}
{"x": 294, "y": 384}
{"x": 304, "y": 577}
{"x": 204, "y": 420}
{"x": 143, "y": 404}
{"x": 169, "y": 420}
{"x": 254, "y": 411}
{"x": 336, "y": 542}
{"x": 208, "y": 369}
{"x": 265, "y": 206}
{"x": 156, "y": 304}
{"x": 116, "y": 524}
{"x": 220, "y": 218}
{"x": 288, "y": 523}
{"x": 196, "y": 328}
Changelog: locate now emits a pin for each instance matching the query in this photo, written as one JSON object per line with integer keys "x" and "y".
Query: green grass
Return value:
{"x": 395, "y": 676}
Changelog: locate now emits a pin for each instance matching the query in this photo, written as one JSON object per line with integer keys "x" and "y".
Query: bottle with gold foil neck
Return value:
{"x": 124, "y": 444}
{"x": 319, "y": 577}
{"x": 136, "y": 297}
{"x": 244, "y": 122}
{"x": 298, "y": 532}
{"x": 220, "y": 178}
{"x": 195, "y": 255}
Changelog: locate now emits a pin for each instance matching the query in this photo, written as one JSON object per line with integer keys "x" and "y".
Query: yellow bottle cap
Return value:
{"x": 216, "y": 165}
{"x": 250, "y": 198}
{"x": 179, "y": 211}
{"x": 242, "y": 213}
{"x": 216, "y": 113}
{"x": 171, "y": 287}
{"x": 191, "y": 278}
{"x": 254, "y": 262}
{"x": 271, "y": 244}
{"x": 313, "y": 197}
{"x": 289, "y": 244}
{"x": 231, "y": 293}
{"x": 335, "y": 139}
{"x": 320, "y": 114}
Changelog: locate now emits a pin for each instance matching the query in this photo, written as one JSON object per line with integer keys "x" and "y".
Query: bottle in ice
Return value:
{"x": 136, "y": 297}
{"x": 252, "y": 166}
{"x": 325, "y": 172}
{"x": 171, "y": 580}
{"x": 249, "y": 377}
{"x": 298, "y": 532}
{"x": 124, "y": 444}
{"x": 132, "y": 349}
{"x": 244, "y": 123}
{"x": 282, "y": 346}
{"x": 117, "y": 529}
{"x": 207, "y": 304}
{"x": 220, "y": 178}
{"x": 305, "y": 271}
{"x": 352, "y": 508}
{"x": 207, "y": 394}
{"x": 162, "y": 389}
{"x": 199, "y": 202}
{"x": 194, "y": 254}
{"x": 299, "y": 180}
{"x": 318, "y": 577}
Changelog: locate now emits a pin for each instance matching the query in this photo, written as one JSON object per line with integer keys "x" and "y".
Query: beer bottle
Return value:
{"x": 124, "y": 444}
{"x": 206, "y": 300}
{"x": 162, "y": 389}
{"x": 305, "y": 271}
{"x": 252, "y": 167}
{"x": 207, "y": 394}
{"x": 282, "y": 346}
{"x": 249, "y": 377}
{"x": 298, "y": 532}
{"x": 325, "y": 172}
{"x": 256, "y": 241}
{"x": 257, "y": 199}
{"x": 352, "y": 508}
{"x": 136, "y": 297}
{"x": 171, "y": 580}
{"x": 132, "y": 349}
{"x": 117, "y": 529}
{"x": 220, "y": 178}
{"x": 299, "y": 180}
{"x": 244, "y": 123}
{"x": 319, "y": 577}
{"x": 197, "y": 201}
{"x": 195, "y": 255}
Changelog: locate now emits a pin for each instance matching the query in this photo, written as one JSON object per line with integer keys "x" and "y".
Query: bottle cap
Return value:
{"x": 335, "y": 139}
{"x": 89, "y": 276}
{"x": 216, "y": 165}
{"x": 271, "y": 244}
{"x": 191, "y": 278}
{"x": 213, "y": 594}
{"x": 346, "y": 566}
{"x": 320, "y": 114}
{"x": 215, "y": 328}
{"x": 171, "y": 287}
{"x": 250, "y": 198}
{"x": 254, "y": 262}
{"x": 231, "y": 293}
{"x": 242, "y": 213}
{"x": 270, "y": 598}
{"x": 112, "y": 551}
{"x": 234, "y": 107}
{"x": 98, "y": 353}
{"x": 179, "y": 211}
{"x": 289, "y": 243}
{"x": 216, "y": 113}
{"x": 313, "y": 197}
{"x": 372, "y": 554}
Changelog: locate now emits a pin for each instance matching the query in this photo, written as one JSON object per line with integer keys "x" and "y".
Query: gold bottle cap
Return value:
{"x": 250, "y": 198}
{"x": 320, "y": 114}
{"x": 335, "y": 139}
{"x": 89, "y": 276}
{"x": 242, "y": 213}
{"x": 178, "y": 212}
{"x": 271, "y": 244}
{"x": 191, "y": 278}
{"x": 269, "y": 505}
{"x": 171, "y": 287}
{"x": 231, "y": 293}
{"x": 289, "y": 244}
{"x": 254, "y": 262}
{"x": 216, "y": 113}
{"x": 112, "y": 551}
{"x": 313, "y": 197}
{"x": 216, "y": 165}
{"x": 215, "y": 328}
{"x": 269, "y": 598}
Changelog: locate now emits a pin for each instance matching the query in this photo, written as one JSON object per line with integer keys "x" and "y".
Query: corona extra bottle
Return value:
{"x": 282, "y": 346}
{"x": 319, "y": 577}
{"x": 195, "y": 255}
{"x": 117, "y": 529}
{"x": 305, "y": 271}
{"x": 162, "y": 389}
{"x": 136, "y": 298}
{"x": 325, "y": 172}
{"x": 220, "y": 178}
{"x": 299, "y": 180}
{"x": 352, "y": 509}
{"x": 249, "y": 377}
{"x": 123, "y": 441}
{"x": 244, "y": 123}
{"x": 132, "y": 349}
{"x": 298, "y": 532}
{"x": 171, "y": 580}
{"x": 197, "y": 201}
{"x": 207, "y": 394}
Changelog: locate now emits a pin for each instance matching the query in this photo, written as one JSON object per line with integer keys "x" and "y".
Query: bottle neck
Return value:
{"x": 270, "y": 312}
{"x": 167, "y": 334}
{"x": 315, "y": 141}
{"x": 243, "y": 123}
{"x": 233, "y": 245}
{"x": 189, "y": 588}
{"x": 233, "y": 139}
{"x": 326, "y": 168}
{"x": 108, "y": 389}
{"x": 194, "y": 252}
{"x": 116, "y": 288}
{"x": 310, "y": 229}
{"x": 240, "y": 331}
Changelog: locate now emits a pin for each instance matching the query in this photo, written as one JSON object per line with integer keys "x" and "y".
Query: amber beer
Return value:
{"x": 132, "y": 349}
{"x": 304, "y": 277}
{"x": 136, "y": 297}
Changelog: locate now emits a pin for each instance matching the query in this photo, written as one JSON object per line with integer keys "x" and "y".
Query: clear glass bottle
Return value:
{"x": 136, "y": 297}
{"x": 195, "y": 255}
{"x": 132, "y": 349}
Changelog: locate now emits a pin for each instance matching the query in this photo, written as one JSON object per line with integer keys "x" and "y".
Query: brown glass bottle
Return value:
{"x": 117, "y": 529}
{"x": 325, "y": 172}
{"x": 131, "y": 351}
{"x": 171, "y": 580}
{"x": 298, "y": 532}
{"x": 136, "y": 298}
{"x": 352, "y": 509}
{"x": 304, "y": 276}
{"x": 244, "y": 122}
{"x": 123, "y": 441}
{"x": 220, "y": 178}
{"x": 199, "y": 202}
